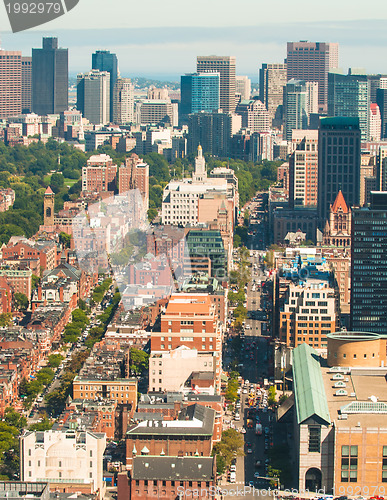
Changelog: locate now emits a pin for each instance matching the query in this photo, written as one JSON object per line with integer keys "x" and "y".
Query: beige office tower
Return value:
{"x": 10, "y": 83}
{"x": 272, "y": 79}
{"x": 225, "y": 66}
{"x": 312, "y": 61}
{"x": 243, "y": 87}
{"x": 123, "y": 101}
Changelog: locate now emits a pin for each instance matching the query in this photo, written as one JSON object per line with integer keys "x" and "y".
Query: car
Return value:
{"x": 251, "y": 484}
{"x": 267, "y": 430}
{"x": 256, "y": 475}
{"x": 233, "y": 468}
{"x": 245, "y": 391}
{"x": 249, "y": 451}
{"x": 258, "y": 463}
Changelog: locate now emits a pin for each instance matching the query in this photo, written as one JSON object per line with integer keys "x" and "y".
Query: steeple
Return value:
{"x": 200, "y": 174}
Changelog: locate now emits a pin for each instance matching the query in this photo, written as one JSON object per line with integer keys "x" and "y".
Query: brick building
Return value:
{"x": 167, "y": 477}
{"x": 134, "y": 175}
{"x": 190, "y": 435}
{"x": 99, "y": 175}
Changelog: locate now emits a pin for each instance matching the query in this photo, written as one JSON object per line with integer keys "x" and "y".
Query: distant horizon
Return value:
{"x": 166, "y": 53}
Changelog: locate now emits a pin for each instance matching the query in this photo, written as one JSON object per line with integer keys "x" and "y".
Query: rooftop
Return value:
{"x": 171, "y": 468}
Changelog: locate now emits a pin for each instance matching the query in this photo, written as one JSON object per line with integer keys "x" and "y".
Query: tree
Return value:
{"x": 230, "y": 446}
{"x": 44, "y": 425}
{"x": 272, "y": 396}
{"x": 139, "y": 361}
{"x": 14, "y": 418}
{"x": 5, "y": 319}
{"x": 56, "y": 182}
{"x": 34, "y": 281}
{"x": 54, "y": 360}
{"x": 65, "y": 239}
{"x": 21, "y": 301}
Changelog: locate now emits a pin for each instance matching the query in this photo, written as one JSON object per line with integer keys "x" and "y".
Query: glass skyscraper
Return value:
{"x": 199, "y": 92}
{"x": 104, "y": 60}
{"x": 369, "y": 266}
{"x": 349, "y": 95}
{"x": 49, "y": 78}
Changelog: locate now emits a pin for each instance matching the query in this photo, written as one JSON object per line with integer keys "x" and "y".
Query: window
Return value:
{"x": 90, "y": 474}
{"x": 384, "y": 465}
{"x": 314, "y": 439}
{"x": 91, "y": 453}
{"x": 349, "y": 464}
{"x": 60, "y": 463}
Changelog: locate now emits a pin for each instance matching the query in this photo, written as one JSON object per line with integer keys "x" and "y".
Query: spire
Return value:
{"x": 49, "y": 191}
{"x": 200, "y": 173}
{"x": 200, "y": 151}
{"x": 340, "y": 203}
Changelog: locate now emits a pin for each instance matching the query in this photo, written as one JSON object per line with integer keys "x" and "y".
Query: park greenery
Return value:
{"x": 11, "y": 427}
{"x": 100, "y": 290}
{"x": 231, "y": 394}
{"x": 229, "y": 447}
{"x": 74, "y": 329}
{"x": 29, "y": 389}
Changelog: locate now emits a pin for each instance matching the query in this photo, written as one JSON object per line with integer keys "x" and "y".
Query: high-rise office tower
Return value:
{"x": 10, "y": 83}
{"x": 311, "y": 61}
{"x": 93, "y": 96}
{"x": 26, "y": 84}
{"x": 295, "y": 107}
{"x": 243, "y": 87}
{"x": 348, "y": 95}
{"x": 49, "y": 78}
{"x": 104, "y": 60}
{"x": 123, "y": 101}
{"x": 199, "y": 92}
{"x": 369, "y": 266}
{"x": 255, "y": 116}
{"x": 381, "y": 100}
{"x": 376, "y": 82}
{"x": 375, "y": 122}
{"x": 338, "y": 163}
{"x": 272, "y": 79}
{"x": 303, "y": 168}
{"x": 225, "y": 66}
{"x": 213, "y": 132}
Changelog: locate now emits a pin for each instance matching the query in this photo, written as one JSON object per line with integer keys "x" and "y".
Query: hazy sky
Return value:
{"x": 149, "y": 40}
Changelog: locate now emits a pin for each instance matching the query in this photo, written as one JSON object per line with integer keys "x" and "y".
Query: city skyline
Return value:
{"x": 149, "y": 51}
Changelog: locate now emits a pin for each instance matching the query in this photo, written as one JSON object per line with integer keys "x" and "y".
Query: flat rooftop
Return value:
{"x": 360, "y": 385}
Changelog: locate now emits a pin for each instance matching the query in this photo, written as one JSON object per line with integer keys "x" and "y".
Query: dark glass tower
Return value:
{"x": 50, "y": 79}
{"x": 104, "y": 60}
{"x": 369, "y": 266}
{"x": 338, "y": 163}
{"x": 199, "y": 92}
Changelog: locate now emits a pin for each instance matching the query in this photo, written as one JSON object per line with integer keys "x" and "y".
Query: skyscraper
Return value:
{"x": 272, "y": 79}
{"x": 10, "y": 83}
{"x": 348, "y": 95}
{"x": 93, "y": 96}
{"x": 26, "y": 83}
{"x": 123, "y": 101}
{"x": 199, "y": 92}
{"x": 49, "y": 78}
{"x": 311, "y": 61}
{"x": 243, "y": 87}
{"x": 225, "y": 66}
{"x": 303, "y": 168}
{"x": 369, "y": 266}
{"x": 295, "y": 107}
{"x": 338, "y": 163}
{"x": 104, "y": 60}
{"x": 381, "y": 100}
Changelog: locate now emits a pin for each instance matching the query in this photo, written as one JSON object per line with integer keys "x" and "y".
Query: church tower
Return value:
{"x": 200, "y": 174}
{"x": 49, "y": 202}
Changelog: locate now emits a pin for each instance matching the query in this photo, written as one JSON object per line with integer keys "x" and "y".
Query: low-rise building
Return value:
{"x": 191, "y": 434}
{"x": 167, "y": 477}
{"x": 339, "y": 408}
{"x": 70, "y": 460}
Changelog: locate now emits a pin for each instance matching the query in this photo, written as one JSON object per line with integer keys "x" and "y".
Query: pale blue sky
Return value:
{"x": 141, "y": 35}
